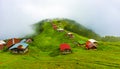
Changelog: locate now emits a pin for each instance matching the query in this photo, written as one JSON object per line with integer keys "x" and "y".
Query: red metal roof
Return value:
{"x": 10, "y": 42}
{"x": 64, "y": 47}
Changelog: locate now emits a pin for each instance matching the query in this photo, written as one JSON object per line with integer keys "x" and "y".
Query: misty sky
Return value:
{"x": 17, "y": 16}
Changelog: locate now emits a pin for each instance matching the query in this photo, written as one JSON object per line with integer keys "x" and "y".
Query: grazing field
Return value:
{"x": 44, "y": 53}
{"x": 106, "y": 57}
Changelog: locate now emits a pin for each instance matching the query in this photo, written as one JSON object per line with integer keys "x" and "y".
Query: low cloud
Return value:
{"x": 16, "y": 16}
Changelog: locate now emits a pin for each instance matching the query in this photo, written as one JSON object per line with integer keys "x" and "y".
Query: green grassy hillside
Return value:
{"x": 50, "y": 38}
{"x": 44, "y": 54}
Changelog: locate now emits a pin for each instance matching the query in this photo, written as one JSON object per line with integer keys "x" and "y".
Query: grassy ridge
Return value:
{"x": 50, "y": 37}
{"x": 44, "y": 54}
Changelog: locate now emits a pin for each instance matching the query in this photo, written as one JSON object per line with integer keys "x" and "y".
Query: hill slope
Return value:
{"x": 44, "y": 54}
{"x": 49, "y": 38}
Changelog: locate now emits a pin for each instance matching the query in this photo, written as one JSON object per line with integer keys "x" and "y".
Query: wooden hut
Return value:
{"x": 2, "y": 44}
{"x": 54, "y": 26}
{"x": 19, "y": 48}
{"x": 60, "y": 30}
{"x": 70, "y": 35}
{"x": 91, "y": 44}
{"x": 65, "y": 48}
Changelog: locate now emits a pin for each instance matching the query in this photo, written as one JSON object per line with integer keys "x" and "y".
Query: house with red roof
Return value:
{"x": 65, "y": 48}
